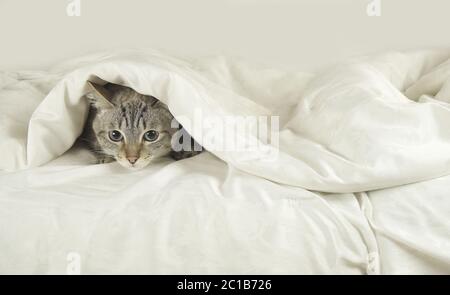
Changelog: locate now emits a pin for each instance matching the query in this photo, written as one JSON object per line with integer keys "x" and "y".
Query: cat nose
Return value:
{"x": 132, "y": 160}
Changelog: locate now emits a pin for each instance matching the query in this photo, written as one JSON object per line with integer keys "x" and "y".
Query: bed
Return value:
{"x": 356, "y": 182}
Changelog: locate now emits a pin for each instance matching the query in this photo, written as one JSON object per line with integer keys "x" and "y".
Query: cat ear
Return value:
{"x": 156, "y": 103}
{"x": 100, "y": 97}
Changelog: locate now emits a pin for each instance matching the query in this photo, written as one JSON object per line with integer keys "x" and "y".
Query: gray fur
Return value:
{"x": 115, "y": 107}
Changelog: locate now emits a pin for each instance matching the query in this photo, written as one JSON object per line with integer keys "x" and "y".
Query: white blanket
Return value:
{"x": 375, "y": 123}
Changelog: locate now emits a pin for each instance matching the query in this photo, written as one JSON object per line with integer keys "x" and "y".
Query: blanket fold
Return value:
{"x": 372, "y": 123}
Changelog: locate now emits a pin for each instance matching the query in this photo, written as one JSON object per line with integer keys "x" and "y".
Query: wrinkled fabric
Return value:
{"x": 359, "y": 185}
{"x": 194, "y": 216}
{"x": 366, "y": 125}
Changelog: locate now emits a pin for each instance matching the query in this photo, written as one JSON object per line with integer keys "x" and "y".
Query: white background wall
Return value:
{"x": 295, "y": 33}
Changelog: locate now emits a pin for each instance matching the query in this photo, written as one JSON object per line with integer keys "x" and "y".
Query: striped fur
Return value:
{"x": 115, "y": 107}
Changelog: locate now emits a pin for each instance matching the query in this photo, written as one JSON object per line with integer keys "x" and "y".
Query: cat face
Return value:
{"x": 130, "y": 127}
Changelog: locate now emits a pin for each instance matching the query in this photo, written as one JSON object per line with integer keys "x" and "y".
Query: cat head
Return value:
{"x": 132, "y": 128}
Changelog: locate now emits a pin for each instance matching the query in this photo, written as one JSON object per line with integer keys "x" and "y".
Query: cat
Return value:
{"x": 131, "y": 128}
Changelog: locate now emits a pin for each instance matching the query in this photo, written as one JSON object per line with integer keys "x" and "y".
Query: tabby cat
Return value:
{"x": 131, "y": 128}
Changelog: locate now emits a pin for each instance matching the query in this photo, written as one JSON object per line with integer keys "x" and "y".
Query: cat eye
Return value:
{"x": 115, "y": 135}
{"x": 151, "y": 135}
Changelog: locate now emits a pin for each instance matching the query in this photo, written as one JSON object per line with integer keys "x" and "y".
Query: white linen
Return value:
{"x": 194, "y": 216}
{"x": 376, "y": 123}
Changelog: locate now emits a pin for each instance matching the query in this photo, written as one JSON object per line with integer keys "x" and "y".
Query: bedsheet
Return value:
{"x": 356, "y": 182}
